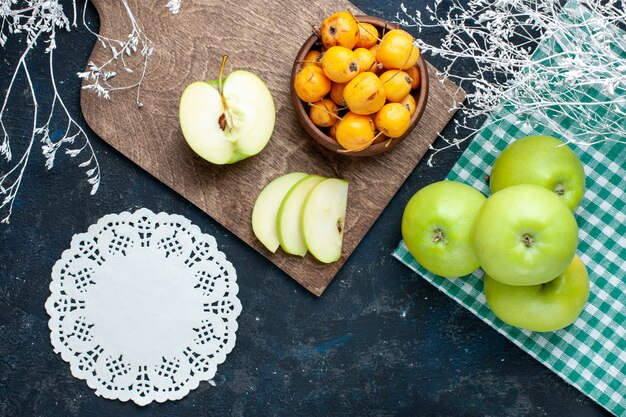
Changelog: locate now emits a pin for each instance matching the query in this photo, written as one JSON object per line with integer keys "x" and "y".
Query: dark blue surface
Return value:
{"x": 381, "y": 341}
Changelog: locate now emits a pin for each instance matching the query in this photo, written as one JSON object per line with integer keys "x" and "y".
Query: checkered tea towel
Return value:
{"x": 591, "y": 353}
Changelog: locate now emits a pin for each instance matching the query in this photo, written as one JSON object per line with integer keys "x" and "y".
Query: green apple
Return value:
{"x": 289, "y": 212}
{"x": 436, "y": 227}
{"x": 543, "y": 161}
{"x": 323, "y": 219}
{"x": 265, "y": 211}
{"x": 543, "y": 307}
{"x": 230, "y": 122}
{"x": 524, "y": 235}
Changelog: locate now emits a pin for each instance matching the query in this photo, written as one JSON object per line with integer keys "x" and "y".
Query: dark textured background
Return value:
{"x": 380, "y": 341}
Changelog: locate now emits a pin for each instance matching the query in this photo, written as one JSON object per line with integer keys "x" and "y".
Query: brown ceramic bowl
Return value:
{"x": 420, "y": 94}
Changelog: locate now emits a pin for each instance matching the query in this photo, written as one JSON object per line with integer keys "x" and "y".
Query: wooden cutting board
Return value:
{"x": 263, "y": 37}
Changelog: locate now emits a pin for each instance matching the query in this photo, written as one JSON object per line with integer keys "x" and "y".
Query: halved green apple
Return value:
{"x": 289, "y": 213}
{"x": 230, "y": 122}
{"x": 265, "y": 211}
{"x": 323, "y": 219}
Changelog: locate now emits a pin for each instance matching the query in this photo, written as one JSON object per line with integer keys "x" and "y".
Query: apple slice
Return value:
{"x": 265, "y": 211}
{"x": 323, "y": 219}
{"x": 253, "y": 111}
{"x": 200, "y": 110}
{"x": 288, "y": 219}
{"x": 227, "y": 120}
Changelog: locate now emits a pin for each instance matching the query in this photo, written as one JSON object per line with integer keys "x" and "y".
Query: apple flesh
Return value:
{"x": 524, "y": 235}
{"x": 543, "y": 307}
{"x": 323, "y": 219}
{"x": 265, "y": 211}
{"x": 436, "y": 227}
{"x": 231, "y": 125}
{"x": 289, "y": 213}
{"x": 543, "y": 161}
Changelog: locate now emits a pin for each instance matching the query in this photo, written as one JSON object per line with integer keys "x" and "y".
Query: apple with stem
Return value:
{"x": 524, "y": 235}
{"x": 436, "y": 227}
{"x": 227, "y": 120}
{"x": 543, "y": 161}
{"x": 542, "y": 307}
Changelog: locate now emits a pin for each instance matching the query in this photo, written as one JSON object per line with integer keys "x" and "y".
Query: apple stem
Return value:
{"x": 220, "y": 80}
{"x": 227, "y": 123}
{"x": 559, "y": 189}
{"x": 528, "y": 241}
{"x": 438, "y": 236}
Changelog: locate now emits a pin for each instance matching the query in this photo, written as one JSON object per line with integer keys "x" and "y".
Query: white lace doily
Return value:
{"x": 143, "y": 306}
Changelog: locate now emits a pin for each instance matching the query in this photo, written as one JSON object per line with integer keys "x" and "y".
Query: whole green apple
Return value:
{"x": 543, "y": 161}
{"x": 524, "y": 235}
{"x": 544, "y": 307}
{"x": 436, "y": 227}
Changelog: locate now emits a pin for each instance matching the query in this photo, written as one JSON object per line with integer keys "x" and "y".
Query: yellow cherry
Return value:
{"x": 340, "y": 29}
{"x": 311, "y": 84}
{"x": 396, "y": 50}
{"x": 365, "y": 94}
{"x": 393, "y": 120}
{"x": 397, "y": 85}
{"x": 340, "y": 64}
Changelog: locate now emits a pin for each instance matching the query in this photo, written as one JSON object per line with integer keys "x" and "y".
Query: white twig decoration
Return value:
{"x": 498, "y": 38}
{"x": 39, "y": 20}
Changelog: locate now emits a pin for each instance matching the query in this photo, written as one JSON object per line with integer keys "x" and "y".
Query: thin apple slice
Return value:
{"x": 265, "y": 209}
{"x": 288, "y": 219}
{"x": 253, "y": 111}
{"x": 323, "y": 219}
{"x": 200, "y": 110}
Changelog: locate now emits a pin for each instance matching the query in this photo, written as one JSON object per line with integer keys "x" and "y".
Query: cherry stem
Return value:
{"x": 325, "y": 110}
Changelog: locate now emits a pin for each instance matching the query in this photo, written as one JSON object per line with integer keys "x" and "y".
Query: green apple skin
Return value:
{"x": 251, "y": 108}
{"x": 323, "y": 219}
{"x": 524, "y": 235}
{"x": 265, "y": 211}
{"x": 289, "y": 213}
{"x": 543, "y": 161}
{"x": 543, "y": 307}
{"x": 437, "y": 224}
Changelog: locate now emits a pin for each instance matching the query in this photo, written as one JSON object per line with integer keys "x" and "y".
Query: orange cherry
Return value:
{"x": 396, "y": 50}
{"x": 414, "y": 73}
{"x": 336, "y": 94}
{"x": 397, "y": 85}
{"x": 393, "y": 120}
{"x": 355, "y": 132}
{"x": 312, "y": 58}
{"x": 340, "y": 29}
{"x": 367, "y": 60}
{"x": 409, "y": 103}
{"x": 340, "y": 64}
{"x": 365, "y": 94}
{"x": 368, "y": 35}
{"x": 323, "y": 113}
{"x": 311, "y": 84}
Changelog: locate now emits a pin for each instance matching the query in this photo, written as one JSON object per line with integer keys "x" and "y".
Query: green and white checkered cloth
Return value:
{"x": 591, "y": 353}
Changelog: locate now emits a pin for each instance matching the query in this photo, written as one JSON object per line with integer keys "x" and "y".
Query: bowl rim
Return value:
{"x": 329, "y": 143}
